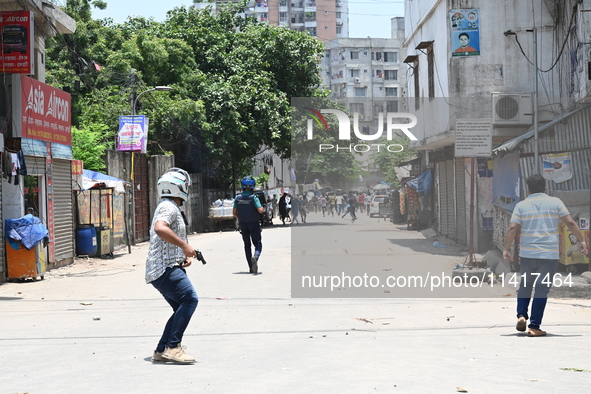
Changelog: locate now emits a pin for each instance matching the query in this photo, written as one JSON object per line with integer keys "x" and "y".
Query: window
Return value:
{"x": 392, "y": 92}
{"x": 339, "y": 30}
{"x": 379, "y": 74}
{"x": 325, "y": 12}
{"x": 391, "y": 75}
{"x": 391, "y": 57}
{"x": 376, "y": 56}
{"x": 431, "y": 72}
{"x": 357, "y": 107}
{"x": 325, "y": 27}
{"x": 391, "y": 106}
{"x": 310, "y": 17}
{"x": 360, "y": 92}
{"x": 339, "y": 14}
{"x": 283, "y": 17}
{"x": 354, "y": 73}
{"x": 311, "y": 31}
{"x": 354, "y": 55}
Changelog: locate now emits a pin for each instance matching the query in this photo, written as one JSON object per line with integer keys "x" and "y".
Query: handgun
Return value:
{"x": 200, "y": 257}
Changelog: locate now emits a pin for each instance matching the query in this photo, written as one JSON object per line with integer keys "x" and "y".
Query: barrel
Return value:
{"x": 86, "y": 240}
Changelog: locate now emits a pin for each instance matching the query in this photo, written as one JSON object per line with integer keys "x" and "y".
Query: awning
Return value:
{"x": 512, "y": 144}
{"x": 91, "y": 179}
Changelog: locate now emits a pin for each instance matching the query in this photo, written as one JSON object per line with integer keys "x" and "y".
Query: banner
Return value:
{"x": 557, "y": 167}
{"x": 133, "y": 133}
{"x": 465, "y": 32}
{"x": 46, "y": 112}
{"x": 18, "y": 46}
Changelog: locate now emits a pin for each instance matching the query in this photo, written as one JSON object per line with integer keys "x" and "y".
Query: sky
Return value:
{"x": 366, "y": 17}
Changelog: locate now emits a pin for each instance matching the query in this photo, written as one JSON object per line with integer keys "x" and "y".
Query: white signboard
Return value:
{"x": 473, "y": 138}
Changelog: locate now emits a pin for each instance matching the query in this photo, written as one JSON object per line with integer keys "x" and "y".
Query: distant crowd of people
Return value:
{"x": 295, "y": 210}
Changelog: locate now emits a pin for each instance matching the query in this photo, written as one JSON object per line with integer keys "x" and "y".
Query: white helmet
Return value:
{"x": 174, "y": 182}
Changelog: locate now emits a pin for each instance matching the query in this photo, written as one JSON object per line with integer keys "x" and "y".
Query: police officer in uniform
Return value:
{"x": 247, "y": 209}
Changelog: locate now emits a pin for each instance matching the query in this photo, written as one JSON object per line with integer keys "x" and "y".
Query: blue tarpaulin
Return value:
{"x": 28, "y": 230}
{"x": 422, "y": 183}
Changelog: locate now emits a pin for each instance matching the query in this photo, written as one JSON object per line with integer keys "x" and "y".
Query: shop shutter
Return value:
{"x": 461, "y": 203}
{"x": 63, "y": 209}
{"x": 35, "y": 165}
{"x": 451, "y": 214}
{"x": 442, "y": 180}
{"x": 141, "y": 197}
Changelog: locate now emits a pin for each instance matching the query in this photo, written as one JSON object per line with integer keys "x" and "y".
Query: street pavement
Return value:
{"x": 250, "y": 336}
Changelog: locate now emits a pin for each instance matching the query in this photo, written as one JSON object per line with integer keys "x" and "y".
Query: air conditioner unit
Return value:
{"x": 512, "y": 109}
{"x": 357, "y": 80}
{"x": 341, "y": 24}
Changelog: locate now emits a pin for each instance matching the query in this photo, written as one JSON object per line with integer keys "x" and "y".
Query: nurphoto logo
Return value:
{"x": 345, "y": 130}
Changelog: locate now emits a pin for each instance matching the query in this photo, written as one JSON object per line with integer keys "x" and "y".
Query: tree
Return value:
{"x": 233, "y": 79}
{"x": 387, "y": 161}
{"x": 88, "y": 146}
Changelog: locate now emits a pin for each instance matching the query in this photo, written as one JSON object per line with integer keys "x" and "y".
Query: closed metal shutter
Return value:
{"x": 442, "y": 180}
{"x": 451, "y": 212}
{"x": 35, "y": 165}
{"x": 63, "y": 209}
{"x": 461, "y": 233}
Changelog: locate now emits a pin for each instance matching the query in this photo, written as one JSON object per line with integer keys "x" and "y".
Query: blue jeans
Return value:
{"x": 251, "y": 231}
{"x": 177, "y": 290}
{"x": 546, "y": 270}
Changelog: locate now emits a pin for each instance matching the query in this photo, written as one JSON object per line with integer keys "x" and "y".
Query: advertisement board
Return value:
{"x": 16, "y": 32}
{"x": 45, "y": 112}
{"x": 133, "y": 133}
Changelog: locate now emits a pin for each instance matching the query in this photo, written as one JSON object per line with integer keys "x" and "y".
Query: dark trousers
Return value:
{"x": 177, "y": 290}
{"x": 251, "y": 235}
{"x": 536, "y": 274}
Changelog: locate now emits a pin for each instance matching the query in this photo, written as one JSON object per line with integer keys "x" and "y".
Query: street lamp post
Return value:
{"x": 157, "y": 88}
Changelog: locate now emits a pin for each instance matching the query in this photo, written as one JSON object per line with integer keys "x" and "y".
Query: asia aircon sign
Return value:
{"x": 16, "y": 33}
{"x": 44, "y": 113}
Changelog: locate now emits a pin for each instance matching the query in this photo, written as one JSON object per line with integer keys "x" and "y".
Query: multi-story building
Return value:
{"x": 367, "y": 74}
{"x": 475, "y": 60}
{"x": 325, "y": 19}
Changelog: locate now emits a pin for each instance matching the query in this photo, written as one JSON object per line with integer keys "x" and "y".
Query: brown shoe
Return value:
{"x": 521, "y": 323}
{"x": 534, "y": 332}
{"x": 177, "y": 354}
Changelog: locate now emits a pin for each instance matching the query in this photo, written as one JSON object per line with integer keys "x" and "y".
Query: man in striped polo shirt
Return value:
{"x": 537, "y": 218}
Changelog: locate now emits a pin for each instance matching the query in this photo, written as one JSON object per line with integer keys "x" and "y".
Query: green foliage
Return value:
{"x": 232, "y": 78}
{"x": 88, "y": 146}
{"x": 386, "y": 161}
{"x": 262, "y": 179}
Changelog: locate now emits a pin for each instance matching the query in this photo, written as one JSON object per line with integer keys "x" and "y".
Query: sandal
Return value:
{"x": 534, "y": 332}
{"x": 521, "y": 323}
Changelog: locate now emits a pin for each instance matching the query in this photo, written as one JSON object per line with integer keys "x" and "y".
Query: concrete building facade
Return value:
{"x": 490, "y": 77}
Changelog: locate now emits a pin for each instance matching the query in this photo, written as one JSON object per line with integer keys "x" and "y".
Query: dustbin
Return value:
{"x": 104, "y": 237}
{"x": 86, "y": 240}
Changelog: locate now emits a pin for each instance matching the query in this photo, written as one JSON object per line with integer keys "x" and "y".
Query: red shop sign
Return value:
{"x": 46, "y": 112}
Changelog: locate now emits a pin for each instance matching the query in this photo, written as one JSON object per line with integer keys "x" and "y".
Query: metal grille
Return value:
{"x": 63, "y": 209}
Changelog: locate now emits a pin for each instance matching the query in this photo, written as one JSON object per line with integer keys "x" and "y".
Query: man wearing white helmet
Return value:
{"x": 168, "y": 256}
{"x": 247, "y": 209}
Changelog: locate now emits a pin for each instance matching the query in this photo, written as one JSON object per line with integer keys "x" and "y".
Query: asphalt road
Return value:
{"x": 250, "y": 336}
